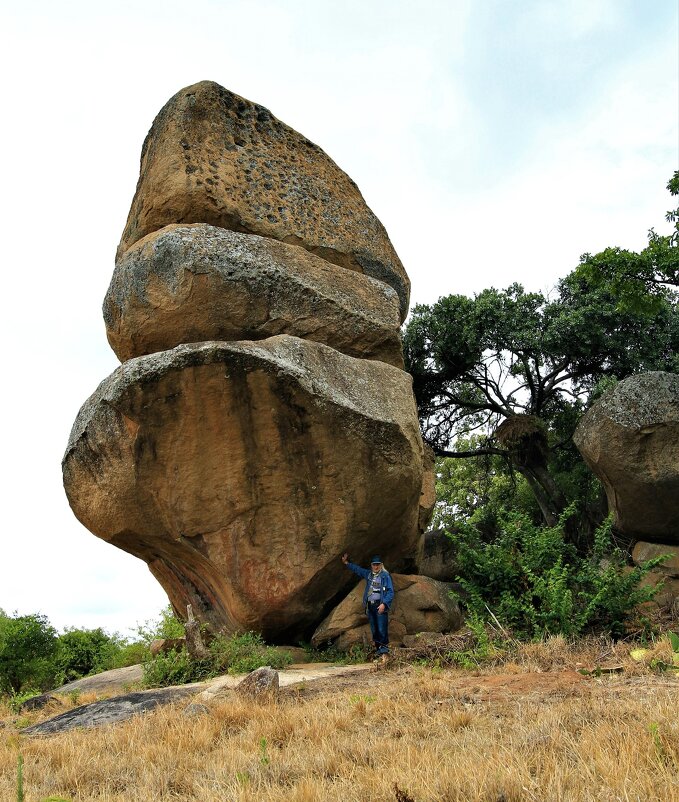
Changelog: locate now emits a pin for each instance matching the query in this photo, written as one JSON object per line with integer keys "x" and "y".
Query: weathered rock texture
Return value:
{"x": 437, "y": 559}
{"x": 648, "y": 551}
{"x": 186, "y": 284}
{"x": 630, "y": 439}
{"x": 110, "y": 711}
{"x": 240, "y": 472}
{"x": 262, "y": 423}
{"x": 260, "y": 683}
{"x": 214, "y": 157}
{"x": 421, "y": 604}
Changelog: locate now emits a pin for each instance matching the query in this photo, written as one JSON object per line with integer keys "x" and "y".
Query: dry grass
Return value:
{"x": 402, "y": 735}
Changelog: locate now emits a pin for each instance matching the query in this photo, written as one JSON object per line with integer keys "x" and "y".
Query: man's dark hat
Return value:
{"x": 376, "y": 559}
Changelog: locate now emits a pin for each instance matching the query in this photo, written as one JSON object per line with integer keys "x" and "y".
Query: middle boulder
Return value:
{"x": 190, "y": 283}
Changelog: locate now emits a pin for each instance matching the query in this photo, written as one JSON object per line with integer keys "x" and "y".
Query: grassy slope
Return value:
{"x": 435, "y": 735}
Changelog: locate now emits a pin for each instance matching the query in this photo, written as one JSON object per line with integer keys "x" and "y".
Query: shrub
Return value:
{"x": 166, "y": 626}
{"x": 27, "y": 647}
{"x": 85, "y": 651}
{"x": 536, "y": 584}
{"x": 236, "y": 654}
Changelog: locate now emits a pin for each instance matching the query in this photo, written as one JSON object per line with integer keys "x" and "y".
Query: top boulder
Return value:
{"x": 214, "y": 157}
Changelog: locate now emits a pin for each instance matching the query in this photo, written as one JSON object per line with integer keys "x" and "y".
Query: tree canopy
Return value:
{"x": 640, "y": 281}
{"x": 517, "y": 369}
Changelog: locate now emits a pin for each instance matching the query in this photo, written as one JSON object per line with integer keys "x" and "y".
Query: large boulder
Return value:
{"x": 214, "y": 157}
{"x": 421, "y": 604}
{"x": 437, "y": 559}
{"x": 240, "y": 472}
{"x": 191, "y": 283}
{"x": 630, "y": 440}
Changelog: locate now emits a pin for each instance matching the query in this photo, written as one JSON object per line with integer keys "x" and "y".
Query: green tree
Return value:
{"x": 640, "y": 281}
{"x": 86, "y": 651}
{"x": 28, "y": 644}
{"x": 518, "y": 368}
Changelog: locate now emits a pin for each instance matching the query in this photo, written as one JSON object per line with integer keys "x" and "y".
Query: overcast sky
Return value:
{"x": 496, "y": 140}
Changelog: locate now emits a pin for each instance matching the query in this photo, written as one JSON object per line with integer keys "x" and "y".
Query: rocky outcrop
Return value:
{"x": 240, "y": 472}
{"x": 261, "y": 423}
{"x": 214, "y": 157}
{"x": 421, "y": 604}
{"x": 630, "y": 439}
{"x": 110, "y": 711}
{"x": 186, "y": 284}
{"x": 437, "y": 559}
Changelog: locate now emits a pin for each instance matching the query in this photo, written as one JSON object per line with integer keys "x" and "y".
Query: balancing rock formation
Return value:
{"x": 261, "y": 423}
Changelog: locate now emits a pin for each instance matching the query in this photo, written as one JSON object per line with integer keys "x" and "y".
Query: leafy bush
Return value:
{"x": 166, "y": 626}
{"x": 537, "y": 584}
{"x": 85, "y": 651}
{"x": 28, "y": 644}
{"x": 237, "y": 654}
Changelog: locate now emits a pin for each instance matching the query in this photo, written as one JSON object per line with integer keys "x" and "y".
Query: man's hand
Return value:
{"x": 345, "y": 557}
{"x": 381, "y": 608}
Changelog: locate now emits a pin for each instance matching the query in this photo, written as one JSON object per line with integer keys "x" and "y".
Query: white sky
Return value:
{"x": 496, "y": 141}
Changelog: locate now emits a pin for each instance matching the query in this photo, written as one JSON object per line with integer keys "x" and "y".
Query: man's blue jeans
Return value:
{"x": 379, "y": 626}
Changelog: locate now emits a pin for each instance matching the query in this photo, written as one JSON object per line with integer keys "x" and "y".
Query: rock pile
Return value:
{"x": 421, "y": 604}
{"x": 630, "y": 440}
{"x": 261, "y": 423}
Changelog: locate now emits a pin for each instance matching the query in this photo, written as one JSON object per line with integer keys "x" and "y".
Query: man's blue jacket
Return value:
{"x": 386, "y": 585}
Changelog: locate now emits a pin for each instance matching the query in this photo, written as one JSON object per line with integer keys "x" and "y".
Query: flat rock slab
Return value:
{"x": 110, "y": 711}
{"x": 292, "y": 675}
{"x": 122, "y": 708}
{"x": 114, "y": 680}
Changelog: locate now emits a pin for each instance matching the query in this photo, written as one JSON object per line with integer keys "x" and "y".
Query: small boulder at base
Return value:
{"x": 262, "y": 683}
{"x": 643, "y": 552}
{"x": 214, "y": 157}
{"x": 630, "y": 440}
{"x": 420, "y": 604}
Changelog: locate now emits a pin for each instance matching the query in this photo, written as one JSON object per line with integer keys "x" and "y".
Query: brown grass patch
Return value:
{"x": 409, "y": 735}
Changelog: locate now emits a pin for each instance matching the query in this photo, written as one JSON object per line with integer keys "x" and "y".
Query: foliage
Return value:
{"x": 34, "y": 658}
{"x": 476, "y": 491}
{"x": 167, "y": 625}
{"x": 86, "y": 651}
{"x": 535, "y": 583}
{"x": 508, "y": 356}
{"x": 173, "y": 668}
{"x": 640, "y": 281}
{"x": 27, "y": 647}
{"x": 240, "y": 654}
{"x": 236, "y": 654}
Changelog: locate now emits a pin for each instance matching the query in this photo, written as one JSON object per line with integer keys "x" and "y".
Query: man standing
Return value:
{"x": 377, "y": 597}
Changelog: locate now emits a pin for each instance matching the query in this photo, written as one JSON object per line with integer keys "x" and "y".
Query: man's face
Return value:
{"x": 376, "y": 567}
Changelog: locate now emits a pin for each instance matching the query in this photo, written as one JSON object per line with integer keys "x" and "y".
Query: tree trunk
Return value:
{"x": 194, "y": 642}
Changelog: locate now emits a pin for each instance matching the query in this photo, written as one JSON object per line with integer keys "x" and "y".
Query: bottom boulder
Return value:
{"x": 421, "y": 604}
